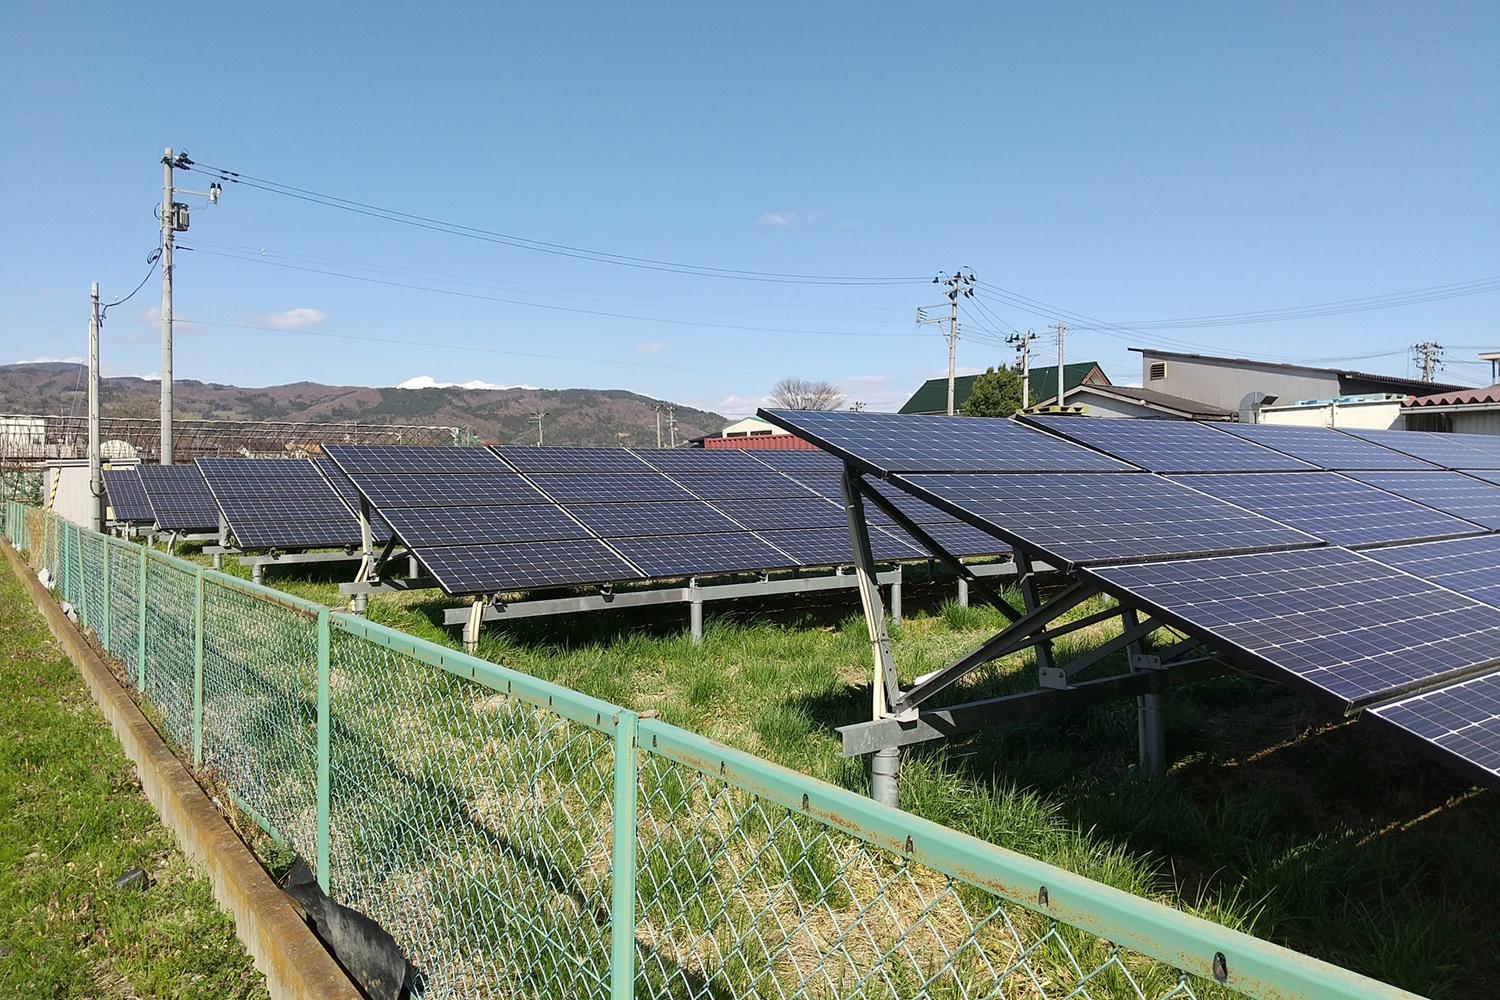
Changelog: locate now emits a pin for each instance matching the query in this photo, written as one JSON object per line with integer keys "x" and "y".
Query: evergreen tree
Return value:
{"x": 997, "y": 393}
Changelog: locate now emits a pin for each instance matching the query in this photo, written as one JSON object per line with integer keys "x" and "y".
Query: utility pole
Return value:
{"x": 174, "y": 219}
{"x": 958, "y": 284}
{"x": 96, "y": 475}
{"x": 672, "y": 423}
{"x": 1062, "y": 391}
{"x": 1432, "y": 358}
{"x": 1023, "y": 352}
{"x": 657, "y": 408}
{"x": 539, "y": 415}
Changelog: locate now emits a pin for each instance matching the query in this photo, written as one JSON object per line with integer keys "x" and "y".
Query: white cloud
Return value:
{"x": 652, "y": 347}
{"x": 49, "y": 361}
{"x": 428, "y": 382}
{"x": 735, "y": 407}
{"x": 153, "y": 377}
{"x": 784, "y": 220}
{"x": 292, "y": 319}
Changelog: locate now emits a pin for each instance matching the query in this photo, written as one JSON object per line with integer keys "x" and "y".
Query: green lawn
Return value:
{"x": 72, "y": 819}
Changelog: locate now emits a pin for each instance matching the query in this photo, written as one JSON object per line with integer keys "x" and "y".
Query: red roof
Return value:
{"x": 1459, "y": 397}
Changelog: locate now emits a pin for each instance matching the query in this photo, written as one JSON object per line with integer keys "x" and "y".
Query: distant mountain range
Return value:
{"x": 576, "y": 417}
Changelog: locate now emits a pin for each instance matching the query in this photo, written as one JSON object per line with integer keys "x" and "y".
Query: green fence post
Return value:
{"x": 140, "y": 628}
{"x": 198, "y": 670}
{"x": 622, "y": 867}
{"x": 104, "y": 611}
{"x": 325, "y": 769}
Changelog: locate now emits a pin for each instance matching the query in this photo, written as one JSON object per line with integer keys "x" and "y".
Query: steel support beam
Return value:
{"x": 886, "y": 689}
{"x": 940, "y": 723}
{"x": 1026, "y": 580}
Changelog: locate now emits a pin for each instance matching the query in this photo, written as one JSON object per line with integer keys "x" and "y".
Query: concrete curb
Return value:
{"x": 294, "y": 962}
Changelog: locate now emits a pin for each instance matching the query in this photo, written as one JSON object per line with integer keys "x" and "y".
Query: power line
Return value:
{"x": 538, "y": 246}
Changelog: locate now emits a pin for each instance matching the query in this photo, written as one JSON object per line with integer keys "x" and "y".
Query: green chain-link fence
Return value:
{"x": 505, "y": 829}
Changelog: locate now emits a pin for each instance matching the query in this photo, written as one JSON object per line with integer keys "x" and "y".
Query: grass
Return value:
{"x": 1275, "y": 817}
{"x": 72, "y": 819}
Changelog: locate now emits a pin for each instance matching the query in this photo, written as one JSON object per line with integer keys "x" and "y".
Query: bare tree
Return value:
{"x": 805, "y": 394}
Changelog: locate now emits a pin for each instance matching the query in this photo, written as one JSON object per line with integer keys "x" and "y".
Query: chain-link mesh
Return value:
{"x": 474, "y": 826}
{"x": 125, "y": 607}
{"x": 739, "y": 896}
{"x": 171, "y": 646}
{"x": 91, "y": 590}
{"x": 260, "y": 674}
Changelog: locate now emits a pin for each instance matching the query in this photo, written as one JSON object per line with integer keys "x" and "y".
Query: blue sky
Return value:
{"x": 1127, "y": 163}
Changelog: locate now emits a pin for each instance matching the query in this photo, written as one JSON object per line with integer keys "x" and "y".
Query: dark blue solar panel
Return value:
{"x": 680, "y": 555}
{"x": 127, "y": 499}
{"x": 1451, "y": 451}
{"x": 740, "y": 485}
{"x": 426, "y": 528}
{"x": 609, "y": 487}
{"x": 386, "y": 490}
{"x": 831, "y": 546}
{"x": 278, "y": 503}
{"x": 179, "y": 497}
{"x": 1108, "y": 517}
{"x": 1470, "y": 566}
{"x": 797, "y": 459}
{"x": 785, "y": 512}
{"x": 1489, "y": 477}
{"x": 890, "y": 442}
{"x": 1451, "y": 492}
{"x": 380, "y": 532}
{"x": 354, "y": 458}
{"x": 699, "y": 460}
{"x": 1333, "y": 507}
{"x": 1461, "y": 719}
{"x": 1169, "y": 445}
{"x": 1323, "y": 447}
{"x": 571, "y": 459}
{"x": 962, "y": 539}
{"x": 669, "y": 517}
{"x": 488, "y": 569}
{"x": 1346, "y": 624}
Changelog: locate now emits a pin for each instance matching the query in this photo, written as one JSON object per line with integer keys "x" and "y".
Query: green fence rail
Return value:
{"x": 505, "y": 829}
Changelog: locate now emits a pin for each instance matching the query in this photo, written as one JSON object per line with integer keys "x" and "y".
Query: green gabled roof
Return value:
{"x": 932, "y": 397}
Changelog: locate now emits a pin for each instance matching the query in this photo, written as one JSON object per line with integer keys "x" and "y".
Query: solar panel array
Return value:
{"x": 180, "y": 499}
{"x": 1413, "y": 615}
{"x": 279, "y": 503}
{"x": 126, "y": 497}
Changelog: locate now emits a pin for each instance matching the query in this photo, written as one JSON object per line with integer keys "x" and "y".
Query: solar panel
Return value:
{"x": 426, "y": 528}
{"x": 797, "y": 459}
{"x": 354, "y": 458}
{"x": 399, "y": 489}
{"x": 963, "y": 539}
{"x": 488, "y": 569}
{"x": 127, "y": 499}
{"x": 699, "y": 460}
{"x": 179, "y": 498}
{"x": 1461, "y": 719}
{"x": 656, "y": 518}
{"x": 1107, "y": 517}
{"x": 1489, "y": 477}
{"x": 890, "y": 442}
{"x": 609, "y": 487}
{"x": 571, "y": 459}
{"x": 1323, "y": 446}
{"x": 682, "y": 555}
{"x": 786, "y": 512}
{"x": 831, "y": 546}
{"x": 278, "y": 503}
{"x": 1168, "y": 445}
{"x": 1451, "y": 492}
{"x": 1335, "y": 619}
{"x": 1333, "y": 507}
{"x": 380, "y": 532}
{"x": 740, "y": 485}
{"x": 1470, "y": 566}
{"x": 1451, "y": 451}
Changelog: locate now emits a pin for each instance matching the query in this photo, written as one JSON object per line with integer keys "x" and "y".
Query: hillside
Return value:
{"x": 578, "y": 417}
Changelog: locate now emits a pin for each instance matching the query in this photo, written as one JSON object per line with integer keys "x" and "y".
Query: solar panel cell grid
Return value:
{"x": 1470, "y": 566}
{"x": 354, "y": 458}
{"x": 699, "y": 460}
{"x": 424, "y": 528}
{"x": 571, "y": 459}
{"x": 1333, "y": 507}
{"x": 615, "y": 487}
{"x": 1462, "y": 719}
{"x": 179, "y": 497}
{"x": 797, "y": 460}
{"x": 740, "y": 485}
{"x": 487, "y": 569}
{"x": 1323, "y": 447}
{"x": 786, "y": 512}
{"x": 831, "y": 546}
{"x": 388, "y": 490}
{"x": 1451, "y": 492}
{"x": 655, "y": 518}
{"x": 964, "y": 539}
{"x": 1169, "y": 445}
{"x": 887, "y": 442}
{"x": 1094, "y": 518}
{"x": 127, "y": 499}
{"x": 1451, "y": 451}
{"x": 344, "y": 486}
{"x": 680, "y": 555}
{"x": 1489, "y": 477}
{"x": 1347, "y": 624}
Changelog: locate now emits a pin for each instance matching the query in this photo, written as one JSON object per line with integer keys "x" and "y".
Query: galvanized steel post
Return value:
{"x": 622, "y": 865}
{"x": 325, "y": 763}
{"x": 197, "y": 672}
